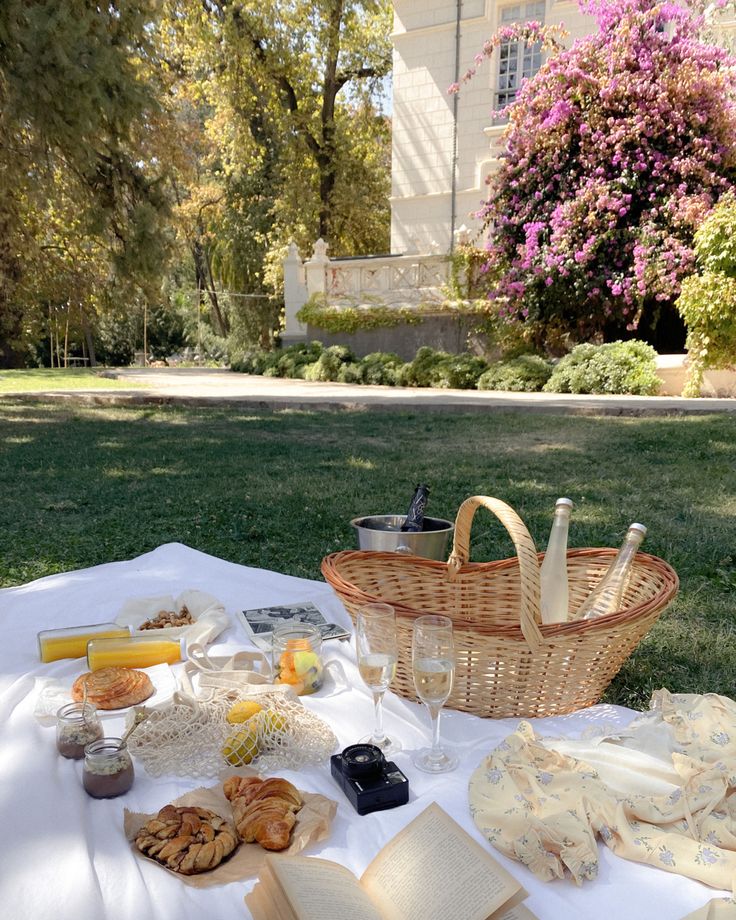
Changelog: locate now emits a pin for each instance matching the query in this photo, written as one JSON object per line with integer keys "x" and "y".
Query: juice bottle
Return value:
{"x": 71, "y": 641}
{"x": 134, "y": 652}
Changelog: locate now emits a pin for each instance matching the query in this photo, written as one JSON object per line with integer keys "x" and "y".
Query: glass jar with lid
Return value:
{"x": 77, "y": 725}
{"x": 297, "y": 656}
{"x": 108, "y": 768}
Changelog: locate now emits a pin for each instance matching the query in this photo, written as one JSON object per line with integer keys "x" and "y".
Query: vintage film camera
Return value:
{"x": 369, "y": 781}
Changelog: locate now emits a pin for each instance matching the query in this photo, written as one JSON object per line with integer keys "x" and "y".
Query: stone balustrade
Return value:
{"x": 401, "y": 280}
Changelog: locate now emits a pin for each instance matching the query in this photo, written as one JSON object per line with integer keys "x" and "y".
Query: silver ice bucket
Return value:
{"x": 383, "y": 532}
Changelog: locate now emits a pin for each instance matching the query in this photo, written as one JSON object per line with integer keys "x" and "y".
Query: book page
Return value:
{"x": 266, "y": 903}
{"x": 318, "y": 889}
{"x": 433, "y": 869}
{"x": 520, "y": 912}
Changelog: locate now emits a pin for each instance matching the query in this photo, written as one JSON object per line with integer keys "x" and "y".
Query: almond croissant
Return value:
{"x": 187, "y": 840}
{"x": 263, "y": 810}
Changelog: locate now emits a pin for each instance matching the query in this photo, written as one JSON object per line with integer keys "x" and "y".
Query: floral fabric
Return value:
{"x": 662, "y": 793}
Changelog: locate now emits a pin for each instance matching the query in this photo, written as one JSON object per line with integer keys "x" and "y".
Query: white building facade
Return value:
{"x": 445, "y": 146}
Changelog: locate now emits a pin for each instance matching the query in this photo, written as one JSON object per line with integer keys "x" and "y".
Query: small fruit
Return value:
{"x": 303, "y": 661}
{"x": 268, "y": 722}
{"x": 242, "y": 711}
{"x": 241, "y": 748}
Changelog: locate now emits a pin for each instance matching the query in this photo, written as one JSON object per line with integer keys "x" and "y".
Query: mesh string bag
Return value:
{"x": 187, "y": 737}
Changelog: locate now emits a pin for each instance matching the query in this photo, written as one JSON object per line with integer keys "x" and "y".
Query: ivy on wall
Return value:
{"x": 349, "y": 319}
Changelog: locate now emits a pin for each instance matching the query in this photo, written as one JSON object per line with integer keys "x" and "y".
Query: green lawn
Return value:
{"x": 82, "y": 486}
{"x": 65, "y": 378}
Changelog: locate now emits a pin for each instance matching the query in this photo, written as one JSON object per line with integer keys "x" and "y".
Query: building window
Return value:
{"x": 517, "y": 61}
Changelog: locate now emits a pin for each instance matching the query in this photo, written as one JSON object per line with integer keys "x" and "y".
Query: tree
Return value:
{"x": 615, "y": 152}
{"x": 80, "y": 181}
{"x": 297, "y": 145}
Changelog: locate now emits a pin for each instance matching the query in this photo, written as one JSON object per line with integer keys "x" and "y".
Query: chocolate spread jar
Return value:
{"x": 77, "y": 725}
{"x": 108, "y": 768}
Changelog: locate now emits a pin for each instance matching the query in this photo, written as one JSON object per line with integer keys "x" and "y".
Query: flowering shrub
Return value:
{"x": 707, "y": 301}
{"x": 615, "y": 152}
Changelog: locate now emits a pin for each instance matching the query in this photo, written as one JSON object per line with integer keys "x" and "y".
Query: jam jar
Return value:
{"x": 297, "y": 657}
{"x": 77, "y": 725}
{"x": 108, "y": 768}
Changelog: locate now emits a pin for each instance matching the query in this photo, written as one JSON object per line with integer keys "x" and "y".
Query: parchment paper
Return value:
{"x": 313, "y": 823}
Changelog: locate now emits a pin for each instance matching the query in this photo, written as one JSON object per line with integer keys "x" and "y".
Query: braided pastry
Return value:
{"x": 263, "y": 810}
{"x": 187, "y": 840}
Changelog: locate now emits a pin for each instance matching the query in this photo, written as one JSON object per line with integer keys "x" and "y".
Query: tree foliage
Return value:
{"x": 290, "y": 141}
{"x": 81, "y": 198}
{"x": 615, "y": 152}
{"x": 707, "y": 301}
{"x": 223, "y": 127}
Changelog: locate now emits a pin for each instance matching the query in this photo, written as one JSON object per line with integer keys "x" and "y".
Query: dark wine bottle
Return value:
{"x": 415, "y": 515}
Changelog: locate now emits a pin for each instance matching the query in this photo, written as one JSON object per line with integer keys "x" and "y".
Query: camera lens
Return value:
{"x": 362, "y": 760}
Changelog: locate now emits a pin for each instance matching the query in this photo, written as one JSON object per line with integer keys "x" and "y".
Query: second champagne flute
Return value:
{"x": 377, "y": 656}
{"x": 433, "y": 664}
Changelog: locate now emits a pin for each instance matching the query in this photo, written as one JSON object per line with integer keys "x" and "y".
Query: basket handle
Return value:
{"x": 525, "y": 550}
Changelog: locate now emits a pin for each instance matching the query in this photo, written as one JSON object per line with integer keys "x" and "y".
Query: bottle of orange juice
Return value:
{"x": 134, "y": 652}
{"x": 71, "y": 641}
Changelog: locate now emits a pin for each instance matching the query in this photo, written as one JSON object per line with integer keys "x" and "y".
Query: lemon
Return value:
{"x": 267, "y": 725}
{"x": 271, "y": 721}
{"x": 242, "y": 711}
{"x": 241, "y": 748}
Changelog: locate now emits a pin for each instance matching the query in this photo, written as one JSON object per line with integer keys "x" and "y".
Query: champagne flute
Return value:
{"x": 433, "y": 665}
{"x": 377, "y": 656}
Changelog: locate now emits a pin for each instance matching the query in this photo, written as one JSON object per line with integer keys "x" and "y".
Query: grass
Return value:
{"x": 65, "y": 378}
{"x": 277, "y": 490}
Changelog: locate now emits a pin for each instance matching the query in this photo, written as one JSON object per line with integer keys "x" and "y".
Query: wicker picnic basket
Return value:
{"x": 507, "y": 663}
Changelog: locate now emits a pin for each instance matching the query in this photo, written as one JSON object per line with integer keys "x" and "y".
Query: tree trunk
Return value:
{"x": 88, "y": 337}
{"x": 205, "y": 285}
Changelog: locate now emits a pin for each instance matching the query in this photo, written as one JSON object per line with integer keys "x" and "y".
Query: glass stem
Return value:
{"x": 379, "y": 736}
{"x": 434, "y": 712}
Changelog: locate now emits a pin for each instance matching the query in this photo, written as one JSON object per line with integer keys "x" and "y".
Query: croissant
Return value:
{"x": 241, "y": 787}
{"x": 263, "y": 810}
{"x": 281, "y": 788}
{"x": 187, "y": 840}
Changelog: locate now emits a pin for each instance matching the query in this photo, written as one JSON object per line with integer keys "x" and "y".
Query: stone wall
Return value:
{"x": 443, "y": 332}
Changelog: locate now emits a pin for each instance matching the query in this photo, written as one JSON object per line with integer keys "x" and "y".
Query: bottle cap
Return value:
{"x": 564, "y": 503}
{"x": 640, "y": 528}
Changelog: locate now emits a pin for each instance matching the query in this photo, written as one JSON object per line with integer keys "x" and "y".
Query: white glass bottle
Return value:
{"x": 607, "y": 596}
{"x": 553, "y": 575}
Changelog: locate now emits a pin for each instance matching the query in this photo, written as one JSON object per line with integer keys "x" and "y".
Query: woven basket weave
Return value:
{"x": 507, "y": 664}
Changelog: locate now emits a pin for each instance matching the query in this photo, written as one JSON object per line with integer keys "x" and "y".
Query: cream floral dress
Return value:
{"x": 663, "y": 793}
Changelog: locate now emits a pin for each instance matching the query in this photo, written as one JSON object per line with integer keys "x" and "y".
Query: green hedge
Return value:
{"x": 615, "y": 368}
{"x": 525, "y": 374}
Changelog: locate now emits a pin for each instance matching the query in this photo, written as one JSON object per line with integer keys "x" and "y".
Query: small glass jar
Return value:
{"x": 108, "y": 768}
{"x": 297, "y": 656}
{"x": 77, "y": 725}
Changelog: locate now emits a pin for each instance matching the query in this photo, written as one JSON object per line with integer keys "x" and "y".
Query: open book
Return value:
{"x": 432, "y": 870}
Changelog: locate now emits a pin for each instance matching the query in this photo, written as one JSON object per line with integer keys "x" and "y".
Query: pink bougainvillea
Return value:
{"x": 615, "y": 152}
